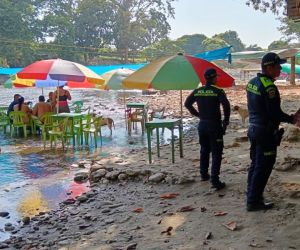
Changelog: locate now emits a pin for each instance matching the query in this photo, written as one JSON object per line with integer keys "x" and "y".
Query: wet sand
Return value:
{"x": 128, "y": 206}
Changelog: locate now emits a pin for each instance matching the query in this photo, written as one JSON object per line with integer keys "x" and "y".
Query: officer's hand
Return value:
{"x": 224, "y": 125}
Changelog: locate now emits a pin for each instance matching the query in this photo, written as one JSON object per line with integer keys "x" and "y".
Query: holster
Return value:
{"x": 278, "y": 136}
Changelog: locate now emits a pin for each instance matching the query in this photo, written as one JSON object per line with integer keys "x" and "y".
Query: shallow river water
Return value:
{"x": 34, "y": 180}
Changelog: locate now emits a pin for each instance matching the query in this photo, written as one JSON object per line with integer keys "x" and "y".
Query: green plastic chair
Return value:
{"x": 60, "y": 130}
{"x": 80, "y": 124}
{"x": 4, "y": 121}
{"x": 77, "y": 106}
{"x": 45, "y": 124}
{"x": 93, "y": 128}
{"x": 17, "y": 122}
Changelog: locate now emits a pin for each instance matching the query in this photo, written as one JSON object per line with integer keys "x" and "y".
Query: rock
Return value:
{"x": 132, "y": 173}
{"x": 83, "y": 226}
{"x": 4, "y": 214}
{"x": 108, "y": 221}
{"x": 81, "y": 177}
{"x": 90, "y": 194}
{"x": 104, "y": 181}
{"x": 131, "y": 246}
{"x": 82, "y": 198}
{"x": 97, "y": 175}
{"x": 289, "y": 163}
{"x": 118, "y": 161}
{"x": 106, "y": 210}
{"x": 26, "y": 220}
{"x": 156, "y": 178}
{"x": 122, "y": 177}
{"x": 69, "y": 201}
{"x": 113, "y": 175}
{"x": 185, "y": 180}
{"x": 3, "y": 245}
{"x": 292, "y": 134}
{"x": 9, "y": 227}
{"x": 63, "y": 243}
{"x": 145, "y": 172}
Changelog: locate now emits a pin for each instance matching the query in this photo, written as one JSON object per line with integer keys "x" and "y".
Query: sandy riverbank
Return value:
{"x": 125, "y": 208}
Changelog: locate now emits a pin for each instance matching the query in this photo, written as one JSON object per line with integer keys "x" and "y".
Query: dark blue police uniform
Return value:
{"x": 211, "y": 128}
{"x": 265, "y": 115}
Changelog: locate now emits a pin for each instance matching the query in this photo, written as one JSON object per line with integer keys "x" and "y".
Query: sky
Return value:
{"x": 210, "y": 17}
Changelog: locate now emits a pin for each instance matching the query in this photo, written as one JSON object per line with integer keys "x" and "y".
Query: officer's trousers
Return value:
{"x": 263, "y": 152}
{"x": 211, "y": 141}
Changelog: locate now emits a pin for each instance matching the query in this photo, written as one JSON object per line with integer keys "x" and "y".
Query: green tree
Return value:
{"x": 57, "y": 24}
{"x": 231, "y": 38}
{"x": 213, "y": 43}
{"x": 17, "y": 32}
{"x": 263, "y": 5}
{"x": 191, "y": 44}
{"x": 290, "y": 29}
{"x": 94, "y": 23}
{"x": 280, "y": 44}
{"x": 140, "y": 23}
{"x": 254, "y": 47}
{"x": 162, "y": 48}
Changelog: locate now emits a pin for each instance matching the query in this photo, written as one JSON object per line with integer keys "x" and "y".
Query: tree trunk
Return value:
{"x": 126, "y": 55}
{"x": 293, "y": 65}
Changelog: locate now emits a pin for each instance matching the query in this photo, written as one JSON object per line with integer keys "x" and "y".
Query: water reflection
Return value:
{"x": 32, "y": 204}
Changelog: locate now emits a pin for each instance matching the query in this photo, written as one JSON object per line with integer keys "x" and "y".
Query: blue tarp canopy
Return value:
{"x": 217, "y": 54}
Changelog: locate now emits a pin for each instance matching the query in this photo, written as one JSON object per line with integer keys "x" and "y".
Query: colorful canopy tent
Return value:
{"x": 217, "y": 54}
{"x": 60, "y": 70}
{"x": 113, "y": 78}
{"x": 179, "y": 72}
{"x": 286, "y": 68}
{"x": 14, "y": 81}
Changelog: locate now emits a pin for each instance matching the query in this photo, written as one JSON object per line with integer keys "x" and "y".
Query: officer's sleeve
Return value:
{"x": 226, "y": 106}
{"x": 274, "y": 110}
{"x": 190, "y": 100}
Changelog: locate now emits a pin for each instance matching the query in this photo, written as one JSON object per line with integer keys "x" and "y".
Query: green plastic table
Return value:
{"x": 71, "y": 116}
{"x": 170, "y": 124}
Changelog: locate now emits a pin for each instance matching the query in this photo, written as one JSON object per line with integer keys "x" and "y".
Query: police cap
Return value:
{"x": 271, "y": 58}
{"x": 210, "y": 73}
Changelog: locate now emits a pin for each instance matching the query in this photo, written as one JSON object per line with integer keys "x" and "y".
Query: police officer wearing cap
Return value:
{"x": 211, "y": 127}
{"x": 265, "y": 115}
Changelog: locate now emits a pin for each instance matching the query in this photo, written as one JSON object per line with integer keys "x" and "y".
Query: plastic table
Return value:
{"x": 170, "y": 124}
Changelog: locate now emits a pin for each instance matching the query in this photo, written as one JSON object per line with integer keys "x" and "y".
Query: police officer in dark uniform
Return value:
{"x": 211, "y": 127}
{"x": 265, "y": 115}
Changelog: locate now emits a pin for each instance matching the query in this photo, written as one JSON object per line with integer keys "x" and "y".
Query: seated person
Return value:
{"x": 21, "y": 106}
{"x": 50, "y": 100}
{"x": 41, "y": 108}
{"x": 13, "y": 103}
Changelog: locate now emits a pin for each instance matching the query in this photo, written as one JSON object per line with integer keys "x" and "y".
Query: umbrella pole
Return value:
{"x": 57, "y": 98}
{"x": 42, "y": 91}
{"x": 125, "y": 116}
{"x": 181, "y": 111}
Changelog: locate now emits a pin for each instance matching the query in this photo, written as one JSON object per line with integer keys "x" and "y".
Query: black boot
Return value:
{"x": 260, "y": 206}
{"x": 218, "y": 185}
